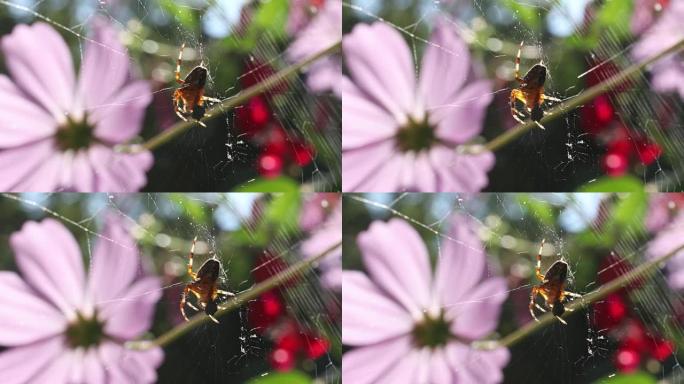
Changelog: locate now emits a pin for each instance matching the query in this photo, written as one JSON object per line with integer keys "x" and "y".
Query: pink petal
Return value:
{"x": 460, "y": 173}
{"x": 487, "y": 366}
{"x": 27, "y": 50}
{"x": 115, "y": 262}
{"x": 84, "y": 177}
{"x": 45, "y": 177}
{"x": 368, "y": 364}
{"x": 477, "y": 315}
{"x": 445, "y": 65}
{"x": 24, "y": 316}
{"x": 360, "y": 168}
{"x": 119, "y": 172}
{"x": 460, "y": 119}
{"x": 390, "y": 81}
{"x": 93, "y": 370}
{"x": 462, "y": 255}
{"x": 397, "y": 260}
{"x": 104, "y": 69}
{"x": 363, "y": 121}
{"x": 458, "y": 356}
{"x": 440, "y": 368}
{"x": 50, "y": 261}
{"x": 123, "y": 365}
{"x": 406, "y": 370}
{"x": 17, "y": 165}
{"x": 19, "y": 364}
{"x": 119, "y": 119}
{"x": 58, "y": 371}
{"x": 424, "y": 173}
{"x": 21, "y": 120}
{"x": 369, "y": 316}
{"x": 130, "y": 314}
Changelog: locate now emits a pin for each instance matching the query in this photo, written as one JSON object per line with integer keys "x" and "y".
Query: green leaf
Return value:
{"x": 539, "y": 209}
{"x": 193, "y": 209}
{"x": 184, "y": 15}
{"x": 282, "y": 378}
{"x": 614, "y": 184}
{"x": 634, "y": 378}
{"x": 528, "y": 15}
{"x": 272, "y": 17}
{"x": 279, "y": 184}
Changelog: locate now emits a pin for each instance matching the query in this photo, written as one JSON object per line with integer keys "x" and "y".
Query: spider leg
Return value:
{"x": 225, "y": 293}
{"x": 183, "y": 301}
{"x": 539, "y": 125}
{"x": 533, "y": 295}
{"x": 539, "y": 307}
{"x": 517, "y": 94}
{"x": 561, "y": 320}
{"x": 212, "y": 99}
{"x": 517, "y": 62}
{"x": 549, "y": 98}
{"x": 191, "y": 305}
{"x": 179, "y": 114}
{"x": 537, "y": 269}
{"x": 572, "y": 294}
{"x": 215, "y": 320}
{"x": 178, "y": 65}
{"x": 190, "y": 256}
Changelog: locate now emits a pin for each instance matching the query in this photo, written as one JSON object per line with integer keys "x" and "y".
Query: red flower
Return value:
{"x": 265, "y": 311}
{"x": 610, "y": 312}
{"x": 627, "y": 359}
{"x": 253, "y": 117}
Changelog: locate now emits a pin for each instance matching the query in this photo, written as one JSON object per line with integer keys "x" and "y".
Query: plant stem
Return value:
{"x": 241, "y": 98}
{"x": 637, "y": 273}
{"x": 576, "y": 101}
{"x": 236, "y": 302}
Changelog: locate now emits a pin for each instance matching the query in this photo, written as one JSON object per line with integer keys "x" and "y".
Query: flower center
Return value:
{"x": 416, "y": 136}
{"x": 74, "y": 135}
{"x": 85, "y": 332}
{"x": 432, "y": 332}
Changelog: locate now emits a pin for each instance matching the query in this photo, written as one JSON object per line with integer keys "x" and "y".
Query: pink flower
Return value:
{"x": 399, "y": 133}
{"x": 667, "y": 240}
{"x": 62, "y": 326}
{"x": 668, "y": 73}
{"x": 322, "y": 32}
{"x": 59, "y": 133}
{"x": 413, "y": 327}
{"x": 322, "y": 238}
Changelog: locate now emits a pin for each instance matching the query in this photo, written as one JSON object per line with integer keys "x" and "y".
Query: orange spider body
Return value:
{"x": 204, "y": 286}
{"x": 188, "y": 100}
{"x": 551, "y": 288}
{"x": 530, "y": 92}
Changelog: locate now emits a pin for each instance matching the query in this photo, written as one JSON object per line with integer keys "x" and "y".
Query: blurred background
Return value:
{"x": 631, "y": 336}
{"x": 290, "y": 334}
{"x": 288, "y": 136}
{"x": 629, "y": 135}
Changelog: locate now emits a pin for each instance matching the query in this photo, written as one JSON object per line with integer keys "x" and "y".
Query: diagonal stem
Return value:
{"x": 240, "y": 99}
{"x": 599, "y": 293}
{"x": 236, "y": 302}
{"x": 565, "y": 107}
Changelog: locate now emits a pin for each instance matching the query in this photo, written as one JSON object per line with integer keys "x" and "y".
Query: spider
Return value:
{"x": 188, "y": 100}
{"x": 552, "y": 288}
{"x": 531, "y": 92}
{"x": 204, "y": 285}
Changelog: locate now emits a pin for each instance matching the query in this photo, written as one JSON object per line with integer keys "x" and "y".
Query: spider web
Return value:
{"x": 561, "y": 34}
{"x": 227, "y": 228}
{"x": 511, "y": 227}
{"x": 215, "y": 33}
